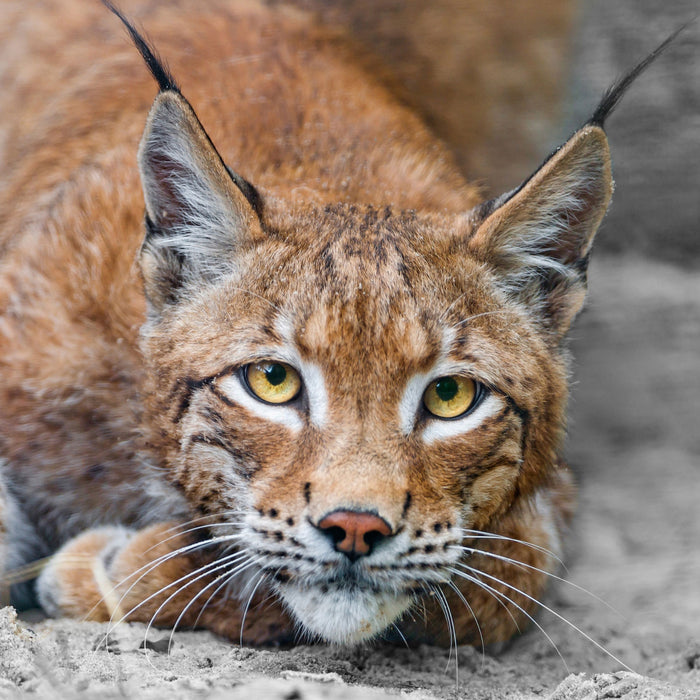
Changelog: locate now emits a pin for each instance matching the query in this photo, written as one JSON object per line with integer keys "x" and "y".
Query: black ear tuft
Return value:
{"x": 615, "y": 92}
{"x": 156, "y": 65}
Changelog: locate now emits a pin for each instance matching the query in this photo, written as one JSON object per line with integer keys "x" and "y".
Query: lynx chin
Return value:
{"x": 269, "y": 364}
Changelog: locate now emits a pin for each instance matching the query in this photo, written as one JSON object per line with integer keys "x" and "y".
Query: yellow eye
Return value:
{"x": 274, "y": 382}
{"x": 449, "y": 397}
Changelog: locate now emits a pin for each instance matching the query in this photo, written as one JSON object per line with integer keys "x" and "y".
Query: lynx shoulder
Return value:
{"x": 285, "y": 353}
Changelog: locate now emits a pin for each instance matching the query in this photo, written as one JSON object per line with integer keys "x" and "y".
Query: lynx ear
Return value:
{"x": 538, "y": 238}
{"x": 198, "y": 213}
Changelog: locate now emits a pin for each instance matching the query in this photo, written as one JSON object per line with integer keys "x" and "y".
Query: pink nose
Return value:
{"x": 354, "y": 533}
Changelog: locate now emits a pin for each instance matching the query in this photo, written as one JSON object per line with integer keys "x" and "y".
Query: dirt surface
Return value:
{"x": 635, "y": 446}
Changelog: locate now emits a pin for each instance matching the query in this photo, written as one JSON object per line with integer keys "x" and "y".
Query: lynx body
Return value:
{"x": 324, "y": 374}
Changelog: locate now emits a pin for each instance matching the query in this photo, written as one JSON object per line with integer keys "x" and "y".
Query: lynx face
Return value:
{"x": 349, "y": 418}
{"x": 351, "y": 391}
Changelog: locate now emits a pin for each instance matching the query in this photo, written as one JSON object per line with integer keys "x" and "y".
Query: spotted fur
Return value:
{"x": 329, "y": 231}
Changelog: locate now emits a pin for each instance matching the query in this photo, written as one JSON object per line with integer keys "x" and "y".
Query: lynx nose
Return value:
{"x": 354, "y": 533}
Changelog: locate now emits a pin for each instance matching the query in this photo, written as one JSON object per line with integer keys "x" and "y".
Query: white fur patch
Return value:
{"x": 411, "y": 401}
{"x": 315, "y": 385}
{"x": 344, "y": 615}
{"x": 544, "y": 507}
{"x": 441, "y": 429}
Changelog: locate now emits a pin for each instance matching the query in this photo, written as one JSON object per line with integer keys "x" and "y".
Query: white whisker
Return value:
{"x": 555, "y": 613}
{"x": 497, "y": 595}
{"x": 206, "y": 568}
{"x": 247, "y": 605}
{"x": 481, "y": 535}
{"x": 144, "y": 571}
{"x": 442, "y": 600}
{"x": 215, "y": 540}
{"x": 485, "y": 313}
{"x": 155, "y": 563}
{"x": 471, "y": 610}
{"x": 400, "y": 633}
{"x": 202, "y": 573}
{"x": 227, "y": 576}
{"x": 515, "y": 562}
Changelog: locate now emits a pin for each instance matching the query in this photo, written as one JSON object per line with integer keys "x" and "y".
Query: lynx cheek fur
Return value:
{"x": 334, "y": 377}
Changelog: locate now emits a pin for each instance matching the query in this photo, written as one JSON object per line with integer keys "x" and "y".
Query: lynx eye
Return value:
{"x": 450, "y": 397}
{"x": 273, "y": 382}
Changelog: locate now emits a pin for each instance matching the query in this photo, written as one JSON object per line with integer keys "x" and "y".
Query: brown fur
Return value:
{"x": 370, "y": 257}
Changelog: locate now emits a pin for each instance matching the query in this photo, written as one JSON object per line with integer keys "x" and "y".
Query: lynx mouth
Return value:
{"x": 343, "y": 613}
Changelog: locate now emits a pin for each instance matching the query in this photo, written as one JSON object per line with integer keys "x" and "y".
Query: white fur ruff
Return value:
{"x": 344, "y": 615}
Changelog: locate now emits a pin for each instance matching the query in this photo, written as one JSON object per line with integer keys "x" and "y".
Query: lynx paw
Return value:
{"x": 76, "y": 581}
{"x": 115, "y": 574}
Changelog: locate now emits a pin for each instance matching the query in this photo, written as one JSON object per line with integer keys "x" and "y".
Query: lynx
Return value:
{"x": 318, "y": 389}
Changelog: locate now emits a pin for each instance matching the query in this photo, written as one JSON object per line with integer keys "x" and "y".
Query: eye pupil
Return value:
{"x": 446, "y": 388}
{"x": 275, "y": 374}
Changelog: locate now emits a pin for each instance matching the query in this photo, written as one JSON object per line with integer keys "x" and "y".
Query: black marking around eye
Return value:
{"x": 406, "y": 504}
{"x": 244, "y": 459}
{"x": 524, "y": 417}
{"x": 187, "y": 387}
{"x": 211, "y": 414}
{"x": 496, "y": 445}
{"x": 219, "y": 395}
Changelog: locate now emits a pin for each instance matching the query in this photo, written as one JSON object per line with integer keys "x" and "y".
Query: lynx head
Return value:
{"x": 347, "y": 389}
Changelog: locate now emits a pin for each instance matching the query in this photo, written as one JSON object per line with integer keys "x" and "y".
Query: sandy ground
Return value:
{"x": 635, "y": 446}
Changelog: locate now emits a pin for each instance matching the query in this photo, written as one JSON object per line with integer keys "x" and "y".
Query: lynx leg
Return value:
{"x": 115, "y": 573}
{"x": 19, "y": 545}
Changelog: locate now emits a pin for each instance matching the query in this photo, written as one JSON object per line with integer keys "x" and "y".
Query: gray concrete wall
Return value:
{"x": 655, "y": 133}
